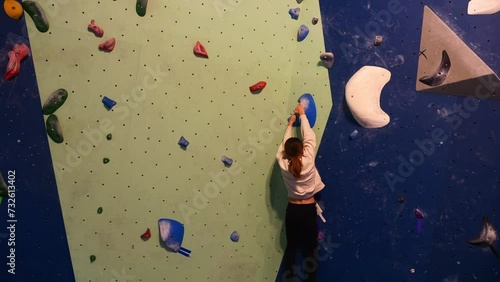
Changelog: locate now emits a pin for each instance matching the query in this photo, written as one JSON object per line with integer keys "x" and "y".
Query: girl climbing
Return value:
{"x": 302, "y": 180}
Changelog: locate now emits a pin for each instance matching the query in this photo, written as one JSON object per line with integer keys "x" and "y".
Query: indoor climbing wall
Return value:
{"x": 120, "y": 169}
{"x": 408, "y": 152}
{"x": 405, "y": 196}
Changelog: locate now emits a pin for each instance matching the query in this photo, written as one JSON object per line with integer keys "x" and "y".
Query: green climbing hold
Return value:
{"x": 54, "y": 129}
{"x": 99, "y": 210}
{"x": 109, "y": 136}
{"x": 55, "y": 101}
{"x": 92, "y": 258}
{"x": 37, "y": 15}
{"x": 140, "y": 7}
{"x": 105, "y": 160}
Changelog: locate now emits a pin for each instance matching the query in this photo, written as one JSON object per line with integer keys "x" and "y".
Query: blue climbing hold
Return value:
{"x": 303, "y": 32}
{"x": 108, "y": 103}
{"x": 307, "y": 101}
{"x": 227, "y": 161}
{"x": 235, "y": 237}
{"x": 172, "y": 234}
{"x": 294, "y": 13}
{"x": 183, "y": 142}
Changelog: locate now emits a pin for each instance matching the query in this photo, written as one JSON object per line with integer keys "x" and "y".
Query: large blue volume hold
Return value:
{"x": 307, "y": 101}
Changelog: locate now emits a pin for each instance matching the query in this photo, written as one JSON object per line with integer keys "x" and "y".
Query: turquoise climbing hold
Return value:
{"x": 54, "y": 129}
{"x": 55, "y": 101}
{"x": 140, "y": 7}
{"x": 37, "y": 15}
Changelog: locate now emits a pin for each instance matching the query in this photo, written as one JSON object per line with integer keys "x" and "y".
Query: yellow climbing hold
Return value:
{"x": 13, "y": 9}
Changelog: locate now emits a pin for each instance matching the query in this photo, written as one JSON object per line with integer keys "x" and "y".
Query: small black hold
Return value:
{"x": 401, "y": 199}
{"x": 109, "y": 136}
{"x": 440, "y": 74}
{"x": 105, "y": 160}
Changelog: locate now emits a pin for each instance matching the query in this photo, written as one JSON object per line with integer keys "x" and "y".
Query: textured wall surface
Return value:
{"x": 456, "y": 185}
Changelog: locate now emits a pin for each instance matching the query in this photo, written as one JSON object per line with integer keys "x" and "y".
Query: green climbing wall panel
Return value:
{"x": 164, "y": 92}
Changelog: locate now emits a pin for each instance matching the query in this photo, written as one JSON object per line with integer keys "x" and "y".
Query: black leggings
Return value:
{"x": 301, "y": 232}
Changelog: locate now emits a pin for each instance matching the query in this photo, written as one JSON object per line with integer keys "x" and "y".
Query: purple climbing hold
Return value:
{"x": 227, "y": 161}
{"x": 299, "y": 1}
{"x": 419, "y": 213}
{"x": 303, "y": 32}
{"x": 327, "y": 59}
{"x": 54, "y": 129}
{"x": 235, "y": 237}
{"x": 183, "y": 142}
{"x": 321, "y": 235}
{"x": 294, "y": 13}
{"x": 108, "y": 103}
{"x": 315, "y": 21}
{"x": 420, "y": 216}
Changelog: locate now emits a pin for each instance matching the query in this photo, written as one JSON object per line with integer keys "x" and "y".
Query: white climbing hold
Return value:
{"x": 363, "y": 92}
{"x": 483, "y": 7}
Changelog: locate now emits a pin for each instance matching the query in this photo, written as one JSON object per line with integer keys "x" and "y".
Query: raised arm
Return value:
{"x": 288, "y": 134}
{"x": 307, "y": 133}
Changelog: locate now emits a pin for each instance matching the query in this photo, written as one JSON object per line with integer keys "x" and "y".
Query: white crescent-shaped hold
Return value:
{"x": 483, "y": 7}
{"x": 362, "y": 93}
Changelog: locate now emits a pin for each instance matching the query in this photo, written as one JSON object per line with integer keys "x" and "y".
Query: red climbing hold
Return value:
{"x": 95, "y": 29}
{"x": 146, "y": 234}
{"x": 199, "y": 50}
{"x": 109, "y": 45}
{"x": 18, "y": 53}
{"x": 258, "y": 86}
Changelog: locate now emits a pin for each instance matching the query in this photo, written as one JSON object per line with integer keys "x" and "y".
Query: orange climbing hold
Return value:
{"x": 199, "y": 50}
{"x": 13, "y": 9}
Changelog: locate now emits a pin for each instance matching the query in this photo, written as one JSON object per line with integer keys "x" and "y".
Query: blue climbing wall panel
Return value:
{"x": 38, "y": 238}
{"x": 372, "y": 236}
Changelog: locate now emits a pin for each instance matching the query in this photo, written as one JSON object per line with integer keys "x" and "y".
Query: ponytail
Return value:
{"x": 293, "y": 152}
{"x": 295, "y": 167}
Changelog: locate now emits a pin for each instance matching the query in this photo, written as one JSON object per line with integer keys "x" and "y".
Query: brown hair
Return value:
{"x": 293, "y": 152}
